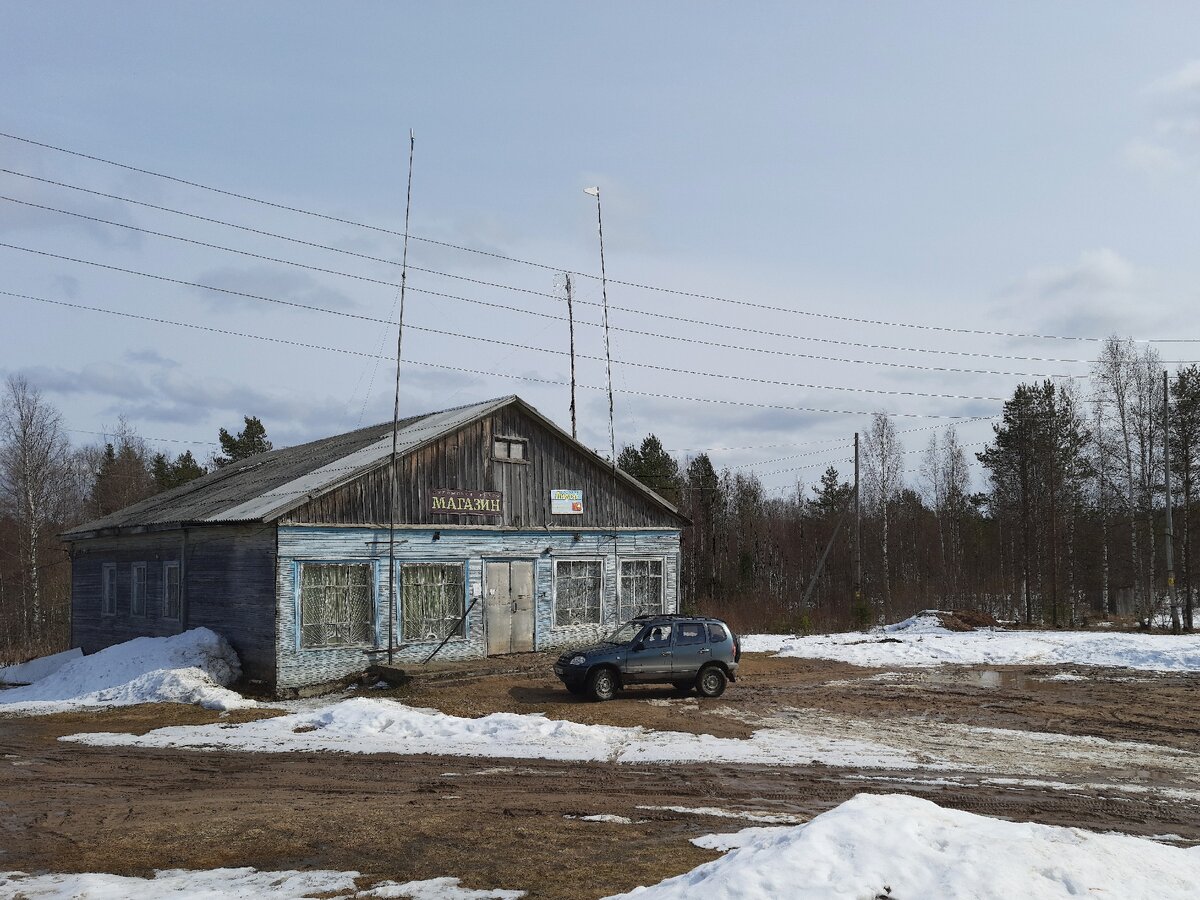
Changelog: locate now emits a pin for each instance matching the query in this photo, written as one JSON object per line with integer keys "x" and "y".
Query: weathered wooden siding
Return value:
{"x": 463, "y": 461}
{"x": 226, "y": 584}
{"x": 472, "y": 547}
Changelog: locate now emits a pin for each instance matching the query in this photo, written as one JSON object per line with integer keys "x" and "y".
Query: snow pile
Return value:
{"x": 921, "y": 643}
{"x": 192, "y": 667}
{"x": 37, "y": 669}
{"x": 900, "y": 846}
{"x": 233, "y": 884}
{"x": 927, "y": 621}
{"x": 367, "y": 725}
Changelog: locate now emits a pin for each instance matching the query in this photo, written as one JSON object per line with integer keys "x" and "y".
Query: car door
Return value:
{"x": 691, "y": 650}
{"x": 649, "y": 658}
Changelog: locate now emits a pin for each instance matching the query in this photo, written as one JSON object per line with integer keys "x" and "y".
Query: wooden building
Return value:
{"x": 510, "y": 536}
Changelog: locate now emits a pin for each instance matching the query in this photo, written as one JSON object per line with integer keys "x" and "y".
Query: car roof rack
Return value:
{"x": 645, "y": 617}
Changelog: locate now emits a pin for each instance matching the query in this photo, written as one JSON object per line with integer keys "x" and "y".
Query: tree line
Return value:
{"x": 1069, "y": 523}
{"x": 48, "y": 485}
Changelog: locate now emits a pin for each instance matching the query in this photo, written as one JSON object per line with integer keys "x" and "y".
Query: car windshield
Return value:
{"x": 625, "y": 633}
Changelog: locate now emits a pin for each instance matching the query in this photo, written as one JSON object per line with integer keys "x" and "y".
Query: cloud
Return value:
{"x": 1096, "y": 271}
{"x": 1153, "y": 158}
{"x": 1171, "y": 145}
{"x": 263, "y": 281}
{"x": 1184, "y": 80}
{"x": 150, "y": 358}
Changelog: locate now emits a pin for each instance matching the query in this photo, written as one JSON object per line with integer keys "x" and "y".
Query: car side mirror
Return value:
{"x": 638, "y": 647}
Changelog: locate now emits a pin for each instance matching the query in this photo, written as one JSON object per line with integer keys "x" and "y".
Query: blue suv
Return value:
{"x": 685, "y": 651}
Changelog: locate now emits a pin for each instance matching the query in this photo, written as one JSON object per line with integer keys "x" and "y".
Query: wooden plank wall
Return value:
{"x": 226, "y": 581}
{"x": 472, "y": 547}
{"x": 463, "y": 461}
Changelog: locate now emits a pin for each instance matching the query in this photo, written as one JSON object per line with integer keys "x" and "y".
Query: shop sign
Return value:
{"x": 465, "y": 503}
{"x": 566, "y": 502}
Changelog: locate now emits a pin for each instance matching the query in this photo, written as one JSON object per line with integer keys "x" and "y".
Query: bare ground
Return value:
{"x": 70, "y": 807}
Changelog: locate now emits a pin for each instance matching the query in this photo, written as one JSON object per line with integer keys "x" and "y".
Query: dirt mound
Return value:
{"x": 968, "y": 620}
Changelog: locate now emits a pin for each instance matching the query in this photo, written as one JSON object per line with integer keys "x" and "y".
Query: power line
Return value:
{"x": 359, "y": 353}
{"x": 637, "y": 285}
{"x": 518, "y": 346}
{"x": 501, "y": 306}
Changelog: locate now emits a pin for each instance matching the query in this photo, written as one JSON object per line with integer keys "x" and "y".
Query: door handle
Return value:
{"x": 706, "y": 650}
{"x": 666, "y": 653}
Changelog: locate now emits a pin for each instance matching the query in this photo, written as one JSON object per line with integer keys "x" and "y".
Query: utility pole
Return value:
{"x": 571, "y": 320}
{"x": 391, "y": 644}
{"x": 1170, "y": 535}
{"x": 612, "y": 433}
{"x": 857, "y": 531}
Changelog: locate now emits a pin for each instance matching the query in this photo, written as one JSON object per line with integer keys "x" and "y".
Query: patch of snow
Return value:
{"x": 924, "y": 622}
{"x": 1065, "y": 676}
{"x": 363, "y": 725}
{"x": 232, "y": 884}
{"x": 37, "y": 669}
{"x": 179, "y": 884}
{"x": 192, "y": 667}
{"x": 727, "y": 842}
{"x": 603, "y": 817}
{"x": 901, "y": 846}
{"x": 716, "y": 813}
{"x": 437, "y": 889}
{"x": 920, "y": 646}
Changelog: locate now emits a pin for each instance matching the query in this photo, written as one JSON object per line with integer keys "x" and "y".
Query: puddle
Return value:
{"x": 993, "y": 679}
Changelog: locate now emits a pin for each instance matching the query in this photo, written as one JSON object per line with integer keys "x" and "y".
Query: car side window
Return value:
{"x": 658, "y": 636}
{"x": 689, "y": 633}
{"x": 716, "y": 633}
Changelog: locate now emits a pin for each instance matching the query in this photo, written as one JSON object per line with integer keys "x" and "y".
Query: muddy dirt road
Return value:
{"x": 495, "y": 823}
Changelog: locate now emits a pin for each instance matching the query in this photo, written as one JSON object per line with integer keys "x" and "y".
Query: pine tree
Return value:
{"x": 250, "y": 441}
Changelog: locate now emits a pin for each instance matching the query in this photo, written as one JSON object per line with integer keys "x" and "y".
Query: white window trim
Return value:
{"x": 133, "y": 570}
{"x": 554, "y": 590}
{"x": 662, "y": 596}
{"x": 172, "y": 564}
{"x": 108, "y": 598}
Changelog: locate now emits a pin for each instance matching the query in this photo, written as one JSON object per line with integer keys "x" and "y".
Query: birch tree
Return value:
{"x": 35, "y": 474}
{"x": 882, "y": 472}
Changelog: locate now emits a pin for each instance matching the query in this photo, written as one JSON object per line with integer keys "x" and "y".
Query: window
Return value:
{"x": 510, "y": 449}
{"x": 431, "y": 597}
{"x": 641, "y": 587}
{"x": 137, "y": 590}
{"x": 689, "y": 633}
{"x": 716, "y": 633}
{"x": 170, "y": 597}
{"x": 577, "y": 591}
{"x": 337, "y": 606}
{"x": 108, "y": 589}
{"x": 658, "y": 636}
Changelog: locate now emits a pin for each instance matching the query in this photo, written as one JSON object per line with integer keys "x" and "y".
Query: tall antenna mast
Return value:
{"x": 571, "y": 320}
{"x": 391, "y": 646}
{"x": 612, "y": 433}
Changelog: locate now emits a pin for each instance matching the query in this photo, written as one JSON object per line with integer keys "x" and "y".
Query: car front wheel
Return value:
{"x": 602, "y": 684}
{"x": 711, "y": 682}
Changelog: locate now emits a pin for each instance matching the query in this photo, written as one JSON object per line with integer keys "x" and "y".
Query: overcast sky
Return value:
{"x": 1026, "y": 168}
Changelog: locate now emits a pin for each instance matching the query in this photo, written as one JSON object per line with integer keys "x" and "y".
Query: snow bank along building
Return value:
{"x": 511, "y": 536}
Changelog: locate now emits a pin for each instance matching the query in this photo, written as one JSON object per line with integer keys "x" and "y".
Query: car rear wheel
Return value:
{"x": 711, "y": 682}
{"x": 602, "y": 684}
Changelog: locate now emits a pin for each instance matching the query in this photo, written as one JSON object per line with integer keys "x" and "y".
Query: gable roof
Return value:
{"x": 264, "y": 487}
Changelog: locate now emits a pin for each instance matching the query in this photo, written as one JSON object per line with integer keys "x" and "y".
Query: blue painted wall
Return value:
{"x": 300, "y": 543}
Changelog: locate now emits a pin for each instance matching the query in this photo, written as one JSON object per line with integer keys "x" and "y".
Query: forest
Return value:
{"x": 1068, "y": 525}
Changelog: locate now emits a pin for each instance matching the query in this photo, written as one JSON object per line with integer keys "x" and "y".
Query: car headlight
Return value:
{"x": 578, "y": 660}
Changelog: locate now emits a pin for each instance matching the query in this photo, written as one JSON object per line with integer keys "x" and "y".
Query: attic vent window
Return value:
{"x": 509, "y": 449}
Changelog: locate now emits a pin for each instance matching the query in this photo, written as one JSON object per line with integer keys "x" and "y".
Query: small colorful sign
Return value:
{"x": 465, "y": 503}
{"x": 566, "y": 502}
